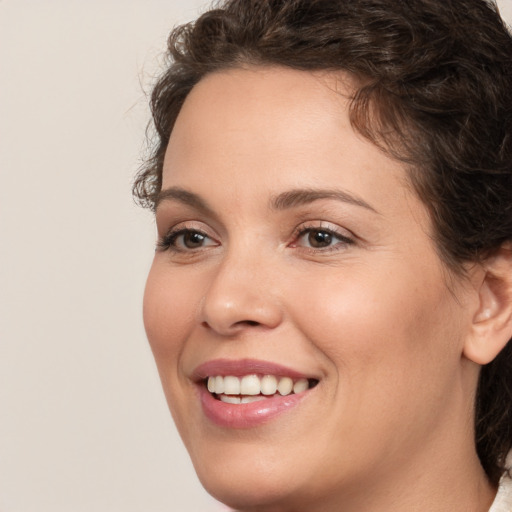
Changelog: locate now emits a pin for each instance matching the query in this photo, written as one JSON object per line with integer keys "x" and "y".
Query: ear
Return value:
{"x": 491, "y": 328}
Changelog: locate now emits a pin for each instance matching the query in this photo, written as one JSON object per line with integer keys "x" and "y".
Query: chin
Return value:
{"x": 252, "y": 496}
{"x": 252, "y": 486}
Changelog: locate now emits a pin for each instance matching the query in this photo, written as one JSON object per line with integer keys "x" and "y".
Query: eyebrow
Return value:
{"x": 283, "y": 201}
{"x": 299, "y": 197}
{"x": 183, "y": 196}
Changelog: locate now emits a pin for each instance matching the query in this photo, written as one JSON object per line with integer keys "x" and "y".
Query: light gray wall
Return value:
{"x": 83, "y": 422}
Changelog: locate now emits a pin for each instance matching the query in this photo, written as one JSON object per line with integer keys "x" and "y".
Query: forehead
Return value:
{"x": 266, "y": 130}
{"x": 242, "y": 110}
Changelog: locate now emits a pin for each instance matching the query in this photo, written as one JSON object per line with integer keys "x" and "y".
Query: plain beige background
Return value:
{"x": 83, "y": 423}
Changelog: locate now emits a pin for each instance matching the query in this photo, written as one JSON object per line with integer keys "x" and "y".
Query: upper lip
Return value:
{"x": 241, "y": 367}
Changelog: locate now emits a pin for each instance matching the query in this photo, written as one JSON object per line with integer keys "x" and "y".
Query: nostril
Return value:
{"x": 241, "y": 323}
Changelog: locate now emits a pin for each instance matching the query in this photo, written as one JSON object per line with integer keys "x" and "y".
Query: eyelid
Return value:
{"x": 345, "y": 236}
{"x": 165, "y": 241}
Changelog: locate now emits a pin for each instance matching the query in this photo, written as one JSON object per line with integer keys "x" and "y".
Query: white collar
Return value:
{"x": 503, "y": 500}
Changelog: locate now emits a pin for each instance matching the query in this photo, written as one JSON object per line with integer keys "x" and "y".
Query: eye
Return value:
{"x": 183, "y": 240}
{"x": 191, "y": 239}
{"x": 318, "y": 238}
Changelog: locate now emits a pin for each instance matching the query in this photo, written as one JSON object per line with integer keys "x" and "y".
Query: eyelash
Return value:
{"x": 169, "y": 241}
{"x": 343, "y": 242}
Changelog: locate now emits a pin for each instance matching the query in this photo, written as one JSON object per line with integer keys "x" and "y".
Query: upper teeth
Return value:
{"x": 255, "y": 385}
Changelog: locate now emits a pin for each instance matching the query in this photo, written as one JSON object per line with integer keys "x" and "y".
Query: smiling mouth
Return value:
{"x": 253, "y": 388}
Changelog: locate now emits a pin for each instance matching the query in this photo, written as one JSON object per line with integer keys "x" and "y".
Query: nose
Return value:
{"x": 241, "y": 295}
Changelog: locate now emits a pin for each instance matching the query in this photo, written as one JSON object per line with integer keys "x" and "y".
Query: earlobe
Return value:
{"x": 491, "y": 327}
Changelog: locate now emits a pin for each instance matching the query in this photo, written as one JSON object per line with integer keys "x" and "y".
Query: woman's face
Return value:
{"x": 291, "y": 248}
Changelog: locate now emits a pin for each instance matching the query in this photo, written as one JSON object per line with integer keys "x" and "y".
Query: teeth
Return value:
{"x": 231, "y": 386}
{"x": 285, "y": 386}
{"x": 268, "y": 385}
{"x": 230, "y": 399}
{"x": 219, "y": 385}
{"x": 249, "y": 399}
{"x": 300, "y": 386}
{"x": 252, "y": 387}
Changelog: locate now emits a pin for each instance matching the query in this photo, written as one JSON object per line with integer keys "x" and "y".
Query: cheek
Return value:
{"x": 383, "y": 331}
{"x": 393, "y": 351}
{"x": 169, "y": 310}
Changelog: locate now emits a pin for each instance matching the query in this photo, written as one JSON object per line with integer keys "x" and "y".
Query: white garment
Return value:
{"x": 503, "y": 500}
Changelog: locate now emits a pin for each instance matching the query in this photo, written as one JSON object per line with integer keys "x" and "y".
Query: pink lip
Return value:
{"x": 244, "y": 416}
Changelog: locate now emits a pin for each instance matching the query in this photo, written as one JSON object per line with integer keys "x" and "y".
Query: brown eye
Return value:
{"x": 193, "y": 239}
{"x": 184, "y": 240}
{"x": 319, "y": 239}
{"x": 322, "y": 239}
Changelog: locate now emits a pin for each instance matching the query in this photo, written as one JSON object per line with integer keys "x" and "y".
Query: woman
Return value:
{"x": 330, "y": 301}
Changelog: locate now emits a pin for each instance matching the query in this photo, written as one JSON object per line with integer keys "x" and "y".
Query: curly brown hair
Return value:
{"x": 435, "y": 92}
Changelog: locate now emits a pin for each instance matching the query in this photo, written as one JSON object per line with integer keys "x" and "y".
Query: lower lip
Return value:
{"x": 247, "y": 415}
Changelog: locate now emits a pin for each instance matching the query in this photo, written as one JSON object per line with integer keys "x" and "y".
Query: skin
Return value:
{"x": 389, "y": 426}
